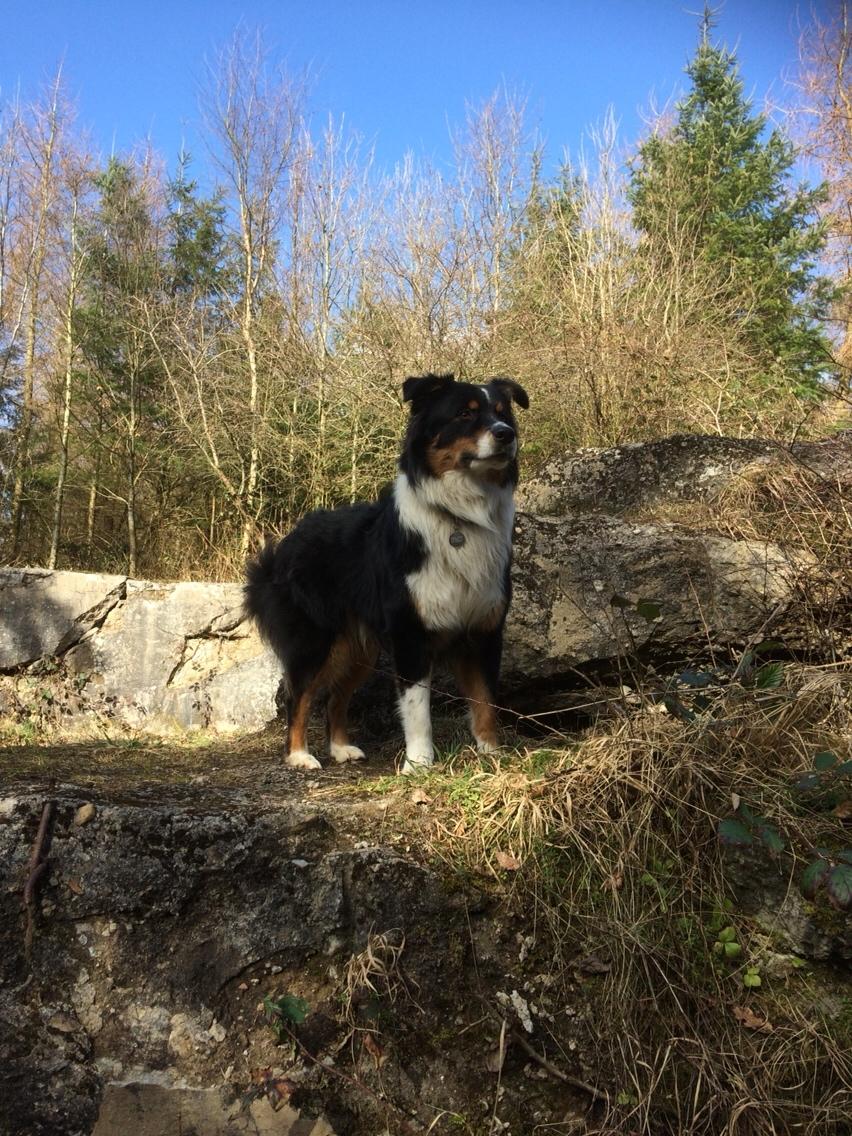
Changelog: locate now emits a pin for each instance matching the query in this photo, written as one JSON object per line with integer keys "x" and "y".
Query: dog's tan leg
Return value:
{"x": 297, "y": 729}
{"x": 480, "y": 700}
{"x": 354, "y": 665}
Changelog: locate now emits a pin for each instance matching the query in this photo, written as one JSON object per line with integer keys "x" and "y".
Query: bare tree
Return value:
{"x": 252, "y": 116}
{"x": 40, "y": 136}
{"x": 823, "y": 120}
{"x": 332, "y": 214}
{"x": 76, "y": 176}
{"x": 12, "y": 300}
{"x": 493, "y": 181}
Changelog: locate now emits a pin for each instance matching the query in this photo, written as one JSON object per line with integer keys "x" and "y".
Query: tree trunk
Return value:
{"x": 59, "y": 497}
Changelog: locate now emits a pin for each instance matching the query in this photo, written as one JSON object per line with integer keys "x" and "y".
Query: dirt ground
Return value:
{"x": 414, "y": 1017}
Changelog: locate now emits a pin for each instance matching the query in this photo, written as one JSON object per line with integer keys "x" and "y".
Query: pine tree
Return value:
{"x": 716, "y": 180}
{"x": 124, "y": 269}
{"x": 195, "y": 236}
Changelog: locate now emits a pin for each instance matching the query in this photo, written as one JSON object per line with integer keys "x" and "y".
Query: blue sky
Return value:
{"x": 400, "y": 71}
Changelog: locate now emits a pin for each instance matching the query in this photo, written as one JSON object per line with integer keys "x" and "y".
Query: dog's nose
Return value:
{"x": 503, "y": 433}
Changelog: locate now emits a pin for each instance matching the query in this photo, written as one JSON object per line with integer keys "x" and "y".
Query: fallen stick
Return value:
{"x": 554, "y": 1071}
{"x": 36, "y": 868}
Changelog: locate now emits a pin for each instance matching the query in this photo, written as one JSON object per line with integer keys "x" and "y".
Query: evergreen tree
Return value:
{"x": 126, "y": 401}
{"x": 717, "y": 181}
{"x": 195, "y": 237}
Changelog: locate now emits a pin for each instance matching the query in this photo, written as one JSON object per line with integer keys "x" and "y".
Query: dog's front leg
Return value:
{"x": 413, "y": 667}
{"x": 477, "y": 669}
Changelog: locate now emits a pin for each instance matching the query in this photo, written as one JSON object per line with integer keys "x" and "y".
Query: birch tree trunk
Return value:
{"x": 41, "y": 143}
{"x": 75, "y": 265}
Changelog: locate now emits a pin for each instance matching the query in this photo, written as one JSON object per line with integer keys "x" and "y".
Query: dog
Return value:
{"x": 423, "y": 572}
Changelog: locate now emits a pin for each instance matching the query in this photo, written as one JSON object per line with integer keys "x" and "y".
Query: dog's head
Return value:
{"x": 462, "y": 427}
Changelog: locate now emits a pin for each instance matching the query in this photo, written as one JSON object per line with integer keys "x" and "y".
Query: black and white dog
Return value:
{"x": 423, "y": 571}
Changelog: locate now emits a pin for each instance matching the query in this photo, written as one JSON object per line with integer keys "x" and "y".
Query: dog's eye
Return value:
{"x": 466, "y": 413}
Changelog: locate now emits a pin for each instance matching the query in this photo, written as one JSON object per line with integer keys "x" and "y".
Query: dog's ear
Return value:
{"x": 420, "y": 387}
{"x": 513, "y": 391}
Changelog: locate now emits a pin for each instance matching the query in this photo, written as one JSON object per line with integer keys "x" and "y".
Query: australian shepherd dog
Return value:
{"x": 422, "y": 572}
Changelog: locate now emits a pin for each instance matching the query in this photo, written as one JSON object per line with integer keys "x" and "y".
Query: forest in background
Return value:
{"x": 183, "y": 372}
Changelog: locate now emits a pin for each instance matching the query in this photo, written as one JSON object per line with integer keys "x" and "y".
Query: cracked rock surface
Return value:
{"x": 155, "y": 657}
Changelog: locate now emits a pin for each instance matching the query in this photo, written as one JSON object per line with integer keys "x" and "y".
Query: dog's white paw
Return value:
{"x": 301, "y": 759}
{"x": 416, "y": 765}
{"x": 342, "y": 753}
{"x": 483, "y": 746}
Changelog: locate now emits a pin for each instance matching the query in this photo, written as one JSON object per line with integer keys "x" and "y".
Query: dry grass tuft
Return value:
{"x": 374, "y": 971}
{"x": 786, "y": 501}
{"x": 613, "y": 844}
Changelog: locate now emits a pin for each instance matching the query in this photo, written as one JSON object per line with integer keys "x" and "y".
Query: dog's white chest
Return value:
{"x": 467, "y": 535}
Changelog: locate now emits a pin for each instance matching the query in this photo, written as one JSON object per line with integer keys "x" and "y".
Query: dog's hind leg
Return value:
{"x": 352, "y": 663}
{"x": 305, "y": 677}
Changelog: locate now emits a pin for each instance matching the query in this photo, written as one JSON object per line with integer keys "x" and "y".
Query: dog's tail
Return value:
{"x": 260, "y": 592}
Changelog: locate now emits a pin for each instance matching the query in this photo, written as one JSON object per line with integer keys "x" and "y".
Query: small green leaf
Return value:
{"x": 845, "y": 767}
{"x": 746, "y": 663}
{"x": 733, "y": 950}
{"x": 769, "y": 676}
{"x": 812, "y": 877}
{"x": 808, "y": 783}
{"x": 770, "y": 837}
{"x": 845, "y": 857}
{"x": 838, "y": 886}
{"x": 825, "y": 760}
{"x": 621, "y": 601}
{"x": 733, "y": 833}
{"x": 677, "y": 709}
{"x": 768, "y": 645}
{"x": 648, "y": 610}
{"x": 751, "y": 978}
{"x": 288, "y": 1007}
{"x": 727, "y": 935}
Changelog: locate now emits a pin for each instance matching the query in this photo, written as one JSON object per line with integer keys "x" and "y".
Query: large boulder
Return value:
{"x": 43, "y": 612}
{"x": 640, "y": 476}
{"x": 181, "y": 654}
{"x": 580, "y": 583}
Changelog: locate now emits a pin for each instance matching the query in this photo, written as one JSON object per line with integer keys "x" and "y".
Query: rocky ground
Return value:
{"x": 184, "y": 889}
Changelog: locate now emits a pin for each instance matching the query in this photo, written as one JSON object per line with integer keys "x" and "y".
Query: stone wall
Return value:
{"x": 156, "y": 657}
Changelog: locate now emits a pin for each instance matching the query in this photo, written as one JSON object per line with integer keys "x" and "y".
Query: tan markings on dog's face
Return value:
{"x": 499, "y": 408}
{"x": 473, "y": 404}
{"x": 456, "y": 455}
